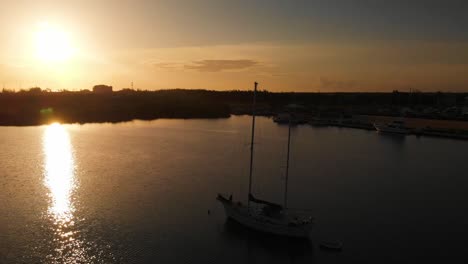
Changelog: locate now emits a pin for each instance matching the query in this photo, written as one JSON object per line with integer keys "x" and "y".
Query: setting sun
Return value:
{"x": 53, "y": 44}
{"x": 233, "y": 131}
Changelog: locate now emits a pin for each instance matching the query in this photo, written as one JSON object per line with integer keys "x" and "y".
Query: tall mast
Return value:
{"x": 287, "y": 166}
{"x": 252, "y": 144}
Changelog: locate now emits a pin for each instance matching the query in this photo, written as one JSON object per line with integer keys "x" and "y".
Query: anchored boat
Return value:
{"x": 263, "y": 215}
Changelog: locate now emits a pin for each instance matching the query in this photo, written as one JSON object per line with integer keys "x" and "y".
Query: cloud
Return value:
{"x": 166, "y": 65}
{"x": 220, "y": 65}
{"x": 205, "y": 65}
{"x": 163, "y": 65}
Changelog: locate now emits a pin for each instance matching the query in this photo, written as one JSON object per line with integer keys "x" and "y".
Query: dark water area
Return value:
{"x": 140, "y": 192}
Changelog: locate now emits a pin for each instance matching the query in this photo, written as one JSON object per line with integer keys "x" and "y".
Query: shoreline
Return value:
{"x": 429, "y": 114}
{"x": 357, "y": 122}
{"x": 418, "y": 126}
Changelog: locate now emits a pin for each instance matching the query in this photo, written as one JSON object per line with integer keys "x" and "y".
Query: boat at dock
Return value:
{"x": 397, "y": 127}
{"x": 281, "y": 118}
{"x": 319, "y": 122}
{"x": 287, "y": 118}
{"x": 262, "y": 215}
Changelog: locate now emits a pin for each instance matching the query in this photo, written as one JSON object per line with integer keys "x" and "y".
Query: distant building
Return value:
{"x": 101, "y": 88}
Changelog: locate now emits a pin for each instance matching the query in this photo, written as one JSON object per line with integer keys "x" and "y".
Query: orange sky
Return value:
{"x": 223, "y": 45}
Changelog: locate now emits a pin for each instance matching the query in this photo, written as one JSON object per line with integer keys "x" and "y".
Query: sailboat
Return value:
{"x": 263, "y": 215}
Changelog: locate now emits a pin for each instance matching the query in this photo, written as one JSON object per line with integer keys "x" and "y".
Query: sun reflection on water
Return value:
{"x": 59, "y": 169}
{"x": 59, "y": 178}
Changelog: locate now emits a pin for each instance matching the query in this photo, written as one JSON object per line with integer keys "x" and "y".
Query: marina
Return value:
{"x": 398, "y": 125}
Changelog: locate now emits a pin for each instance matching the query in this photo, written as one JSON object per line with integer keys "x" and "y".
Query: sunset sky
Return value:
{"x": 300, "y": 45}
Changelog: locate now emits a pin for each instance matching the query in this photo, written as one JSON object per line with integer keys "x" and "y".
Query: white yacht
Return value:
{"x": 263, "y": 215}
{"x": 396, "y": 126}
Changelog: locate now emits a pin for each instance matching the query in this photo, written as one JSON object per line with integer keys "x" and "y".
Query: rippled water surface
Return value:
{"x": 140, "y": 192}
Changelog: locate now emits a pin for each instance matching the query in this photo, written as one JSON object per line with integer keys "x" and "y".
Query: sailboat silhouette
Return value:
{"x": 263, "y": 215}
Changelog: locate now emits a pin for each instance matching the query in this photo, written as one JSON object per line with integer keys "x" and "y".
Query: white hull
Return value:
{"x": 253, "y": 220}
{"x": 383, "y": 128}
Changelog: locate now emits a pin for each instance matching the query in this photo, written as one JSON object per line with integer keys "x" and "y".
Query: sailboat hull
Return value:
{"x": 241, "y": 214}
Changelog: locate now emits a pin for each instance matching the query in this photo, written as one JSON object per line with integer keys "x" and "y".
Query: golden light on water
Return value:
{"x": 59, "y": 172}
{"x": 59, "y": 178}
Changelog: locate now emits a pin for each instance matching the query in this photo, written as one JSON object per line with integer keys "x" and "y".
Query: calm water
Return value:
{"x": 140, "y": 192}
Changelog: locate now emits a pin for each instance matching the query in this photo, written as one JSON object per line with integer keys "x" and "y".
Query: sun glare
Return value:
{"x": 59, "y": 171}
{"x": 53, "y": 44}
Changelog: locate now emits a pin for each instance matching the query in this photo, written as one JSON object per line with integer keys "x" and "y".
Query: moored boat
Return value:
{"x": 287, "y": 118}
{"x": 265, "y": 216}
{"x": 398, "y": 127}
